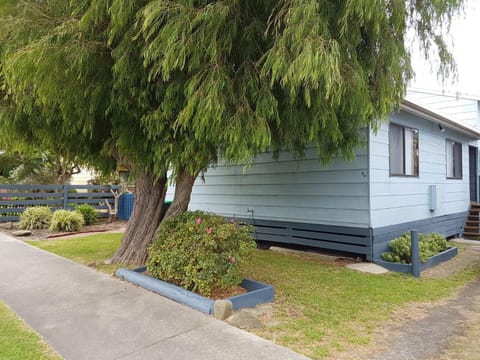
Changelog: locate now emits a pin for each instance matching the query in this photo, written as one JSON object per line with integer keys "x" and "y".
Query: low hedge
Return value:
{"x": 200, "y": 252}
{"x": 400, "y": 248}
{"x": 90, "y": 215}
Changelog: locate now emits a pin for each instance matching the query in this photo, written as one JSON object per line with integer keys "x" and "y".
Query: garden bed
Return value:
{"x": 43, "y": 234}
{"x": 257, "y": 292}
{"x": 446, "y": 255}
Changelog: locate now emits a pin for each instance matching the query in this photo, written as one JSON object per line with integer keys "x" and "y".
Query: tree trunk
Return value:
{"x": 145, "y": 219}
{"x": 183, "y": 192}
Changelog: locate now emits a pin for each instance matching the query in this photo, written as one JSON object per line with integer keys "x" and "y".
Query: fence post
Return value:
{"x": 415, "y": 254}
{"x": 65, "y": 196}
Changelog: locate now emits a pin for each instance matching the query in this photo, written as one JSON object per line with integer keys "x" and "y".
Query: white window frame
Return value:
{"x": 453, "y": 159}
{"x": 403, "y": 161}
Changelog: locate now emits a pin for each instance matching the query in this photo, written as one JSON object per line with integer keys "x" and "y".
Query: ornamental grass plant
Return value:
{"x": 36, "y": 217}
{"x": 66, "y": 220}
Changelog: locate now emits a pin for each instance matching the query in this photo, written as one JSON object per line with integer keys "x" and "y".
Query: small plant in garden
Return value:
{"x": 37, "y": 217}
{"x": 88, "y": 212}
{"x": 401, "y": 248}
{"x": 200, "y": 252}
{"x": 66, "y": 220}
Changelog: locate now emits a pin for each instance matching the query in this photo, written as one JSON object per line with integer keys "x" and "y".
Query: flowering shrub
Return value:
{"x": 401, "y": 248}
{"x": 200, "y": 252}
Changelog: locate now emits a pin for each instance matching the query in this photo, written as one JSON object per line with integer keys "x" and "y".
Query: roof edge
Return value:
{"x": 445, "y": 93}
{"x": 431, "y": 115}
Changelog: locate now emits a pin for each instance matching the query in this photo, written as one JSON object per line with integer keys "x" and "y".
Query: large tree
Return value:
{"x": 165, "y": 85}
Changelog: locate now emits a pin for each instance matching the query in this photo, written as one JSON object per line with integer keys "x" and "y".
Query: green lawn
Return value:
{"x": 321, "y": 308}
{"x": 18, "y": 341}
{"x": 324, "y": 308}
{"x": 91, "y": 250}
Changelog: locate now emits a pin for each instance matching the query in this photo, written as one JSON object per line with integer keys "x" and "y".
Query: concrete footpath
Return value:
{"x": 85, "y": 314}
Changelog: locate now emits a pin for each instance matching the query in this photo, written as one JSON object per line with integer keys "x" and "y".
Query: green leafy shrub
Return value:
{"x": 88, "y": 212}
{"x": 200, "y": 252}
{"x": 36, "y": 217}
{"x": 66, "y": 220}
{"x": 400, "y": 249}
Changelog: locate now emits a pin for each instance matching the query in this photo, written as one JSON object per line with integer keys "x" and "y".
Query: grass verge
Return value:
{"x": 18, "y": 341}
{"x": 321, "y": 308}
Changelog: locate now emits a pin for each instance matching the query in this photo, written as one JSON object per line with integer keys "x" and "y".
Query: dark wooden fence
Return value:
{"x": 14, "y": 199}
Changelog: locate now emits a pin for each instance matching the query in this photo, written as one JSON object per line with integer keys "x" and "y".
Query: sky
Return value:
{"x": 465, "y": 35}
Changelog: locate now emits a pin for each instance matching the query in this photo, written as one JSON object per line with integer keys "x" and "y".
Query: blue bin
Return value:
{"x": 126, "y": 203}
{"x": 125, "y": 206}
{"x": 165, "y": 207}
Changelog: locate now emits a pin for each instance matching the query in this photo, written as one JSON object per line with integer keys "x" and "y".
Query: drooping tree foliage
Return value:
{"x": 165, "y": 85}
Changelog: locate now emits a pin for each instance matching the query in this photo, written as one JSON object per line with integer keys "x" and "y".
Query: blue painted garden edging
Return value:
{"x": 258, "y": 293}
{"x": 432, "y": 261}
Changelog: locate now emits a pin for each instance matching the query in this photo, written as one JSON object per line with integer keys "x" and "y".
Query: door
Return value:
{"x": 472, "y": 160}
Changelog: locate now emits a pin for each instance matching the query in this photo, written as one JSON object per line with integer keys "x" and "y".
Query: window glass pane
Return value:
{"x": 457, "y": 160}
{"x": 449, "y": 158}
{"x": 396, "y": 149}
{"x": 453, "y": 152}
{"x": 415, "y": 153}
{"x": 409, "y": 152}
{"x": 403, "y": 150}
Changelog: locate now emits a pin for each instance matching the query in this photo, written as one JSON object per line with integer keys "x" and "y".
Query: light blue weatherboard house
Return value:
{"x": 419, "y": 171}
